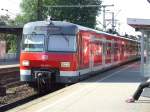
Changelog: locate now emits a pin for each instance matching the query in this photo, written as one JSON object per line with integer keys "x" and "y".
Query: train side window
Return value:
{"x": 104, "y": 48}
{"x": 99, "y": 48}
{"x": 115, "y": 48}
{"x": 112, "y": 47}
{"x": 85, "y": 46}
{"x": 108, "y": 47}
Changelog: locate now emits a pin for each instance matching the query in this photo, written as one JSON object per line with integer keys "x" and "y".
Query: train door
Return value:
{"x": 119, "y": 51}
{"x": 116, "y": 57}
{"x": 97, "y": 52}
{"x": 122, "y": 51}
{"x": 80, "y": 51}
{"x": 108, "y": 52}
{"x": 83, "y": 51}
{"x": 112, "y": 51}
{"x": 91, "y": 55}
{"x": 126, "y": 50}
{"x": 103, "y": 52}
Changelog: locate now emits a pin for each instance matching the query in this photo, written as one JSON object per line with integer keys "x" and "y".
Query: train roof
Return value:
{"x": 71, "y": 27}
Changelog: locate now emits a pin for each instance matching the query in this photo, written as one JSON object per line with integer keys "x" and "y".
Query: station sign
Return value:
{"x": 47, "y": 29}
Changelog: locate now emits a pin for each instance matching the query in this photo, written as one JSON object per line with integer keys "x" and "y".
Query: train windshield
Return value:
{"x": 65, "y": 43}
{"x": 33, "y": 43}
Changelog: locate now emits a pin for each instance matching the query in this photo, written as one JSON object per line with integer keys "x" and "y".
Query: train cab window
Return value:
{"x": 33, "y": 43}
{"x": 64, "y": 43}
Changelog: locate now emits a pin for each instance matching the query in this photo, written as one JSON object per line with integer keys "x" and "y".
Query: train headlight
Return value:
{"x": 65, "y": 64}
{"x": 25, "y": 62}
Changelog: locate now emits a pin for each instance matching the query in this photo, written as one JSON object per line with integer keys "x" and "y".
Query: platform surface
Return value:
{"x": 9, "y": 64}
{"x": 105, "y": 92}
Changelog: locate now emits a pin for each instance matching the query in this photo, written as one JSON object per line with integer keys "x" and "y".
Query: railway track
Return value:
{"x": 11, "y": 105}
{"x": 10, "y": 78}
{"x": 11, "y": 89}
{"x": 17, "y": 93}
{"x": 26, "y": 94}
{"x": 8, "y": 75}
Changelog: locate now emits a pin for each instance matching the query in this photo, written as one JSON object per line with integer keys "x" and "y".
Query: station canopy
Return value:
{"x": 11, "y": 29}
{"x": 139, "y": 24}
{"x": 143, "y": 25}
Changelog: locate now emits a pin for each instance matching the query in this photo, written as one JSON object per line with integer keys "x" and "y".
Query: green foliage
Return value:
{"x": 85, "y": 16}
{"x": 4, "y": 20}
{"x": 11, "y": 41}
{"x": 9, "y": 38}
{"x": 29, "y": 10}
{"x": 19, "y": 20}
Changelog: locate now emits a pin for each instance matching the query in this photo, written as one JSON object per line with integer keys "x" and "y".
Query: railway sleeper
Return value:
{"x": 2, "y": 91}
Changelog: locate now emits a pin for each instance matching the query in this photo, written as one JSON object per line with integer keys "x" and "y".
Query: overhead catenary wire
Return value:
{"x": 6, "y": 10}
{"x": 70, "y": 6}
{"x": 81, "y": 6}
{"x": 13, "y": 1}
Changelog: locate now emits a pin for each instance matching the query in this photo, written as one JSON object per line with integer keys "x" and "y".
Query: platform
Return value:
{"x": 8, "y": 63}
{"x": 105, "y": 92}
{"x": 9, "y": 67}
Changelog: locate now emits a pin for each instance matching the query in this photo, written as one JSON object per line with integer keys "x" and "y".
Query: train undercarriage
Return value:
{"x": 43, "y": 80}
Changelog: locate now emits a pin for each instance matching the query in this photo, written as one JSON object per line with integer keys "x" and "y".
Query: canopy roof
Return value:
{"x": 11, "y": 29}
{"x": 139, "y": 24}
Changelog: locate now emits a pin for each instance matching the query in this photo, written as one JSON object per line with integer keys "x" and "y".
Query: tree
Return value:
{"x": 4, "y": 20}
{"x": 29, "y": 10}
{"x": 9, "y": 38}
{"x": 85, "y": 16}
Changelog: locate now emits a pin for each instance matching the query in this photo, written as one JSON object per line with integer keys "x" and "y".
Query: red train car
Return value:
{"x": 67, "y": 52}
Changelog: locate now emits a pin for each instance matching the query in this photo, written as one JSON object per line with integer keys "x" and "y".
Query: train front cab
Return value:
{"x": 54, "y": 54}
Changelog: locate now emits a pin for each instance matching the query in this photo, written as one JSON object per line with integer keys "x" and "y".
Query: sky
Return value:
{"x": 13, "y": 7}
{"x": 123, "y": 9}
{"x": 129, "y": 9}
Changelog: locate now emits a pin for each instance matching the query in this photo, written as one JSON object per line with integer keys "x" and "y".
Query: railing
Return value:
{"x": 9, "y": 58}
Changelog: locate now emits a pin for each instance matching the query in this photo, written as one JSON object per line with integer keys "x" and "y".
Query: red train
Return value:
{"x": 65, "y": 52}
